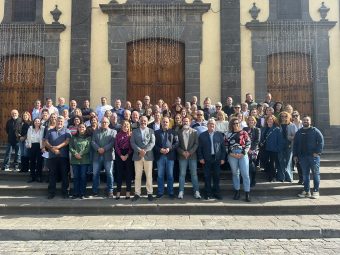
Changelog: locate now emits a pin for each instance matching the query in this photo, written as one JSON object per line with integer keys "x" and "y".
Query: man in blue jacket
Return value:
{"x": 165, "y": 153}
{"x": 308, "y": 146}
{"x": 211, "y": 154}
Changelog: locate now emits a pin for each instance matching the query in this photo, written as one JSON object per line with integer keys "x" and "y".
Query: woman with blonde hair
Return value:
{"x": 124, "y": 160}
{"x": 21, "y": 134}
{"x": 222, "y": 125}
{"x": 255, "y": 135}
{"x": 285, "y": 172}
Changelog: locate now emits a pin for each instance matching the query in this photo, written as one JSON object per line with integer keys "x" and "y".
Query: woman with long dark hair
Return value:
{"x": 80, "y": 159}
{"x": 34, "y": 144}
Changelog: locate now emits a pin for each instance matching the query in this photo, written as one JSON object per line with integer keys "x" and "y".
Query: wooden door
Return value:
{"x": 155, "y": 68}
{"x": 289, "y": 80}
{"x": 21, "y": 83}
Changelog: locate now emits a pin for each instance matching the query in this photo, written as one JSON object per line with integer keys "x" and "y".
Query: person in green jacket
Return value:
{"x": 80, "y": 159}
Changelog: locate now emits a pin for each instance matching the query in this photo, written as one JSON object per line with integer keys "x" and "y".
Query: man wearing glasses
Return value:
{"x": 200, "y": 124}
{"x": 102, "y": 143}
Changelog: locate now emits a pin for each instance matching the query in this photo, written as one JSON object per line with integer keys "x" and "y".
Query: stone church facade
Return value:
{"x": 87, "y": 48}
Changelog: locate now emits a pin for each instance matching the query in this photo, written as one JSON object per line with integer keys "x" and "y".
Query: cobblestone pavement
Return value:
{"x": 230, "y": 246}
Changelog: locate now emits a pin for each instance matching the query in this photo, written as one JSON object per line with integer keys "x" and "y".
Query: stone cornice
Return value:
{"x": 262, "y": 26}
{"x": 197, "y": 7}
{"x": 58, "y": 28}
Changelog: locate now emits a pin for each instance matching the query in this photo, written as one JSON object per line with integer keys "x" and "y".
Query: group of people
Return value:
{"x": 127, "y": 141}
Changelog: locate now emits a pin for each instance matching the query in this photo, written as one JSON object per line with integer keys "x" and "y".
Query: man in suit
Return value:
{"x": 211, "y": 154}
{"x": 142, "y": 143}
{"x": 103, "y": 141}
{"x": 187, "y": 155}
{"x": 165, "y": 154}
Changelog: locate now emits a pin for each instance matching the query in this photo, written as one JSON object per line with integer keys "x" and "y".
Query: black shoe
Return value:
{"x": 117, "y": 198}
{"x": 218, "y": 197}
{"x": 66, "y": 196}
{"x": 207, "y": 197}
{"x": 171, "y": 196}
{"x": 81, "y": 197}
{"x": 300, "y": 182}
{"x": 94, "y": 194}
{"x": 237, "y": 195}
{"x": 150, "y": 197}
{"x": 30, "y": 181}
{"x": 127, "y": 197}
{"x": 50, "y": 196}
{"x": 159, "y": 196}
{"x": 248, "y": 197}
{"x": 74, "y": 197}
{"x": 135, "y": 198}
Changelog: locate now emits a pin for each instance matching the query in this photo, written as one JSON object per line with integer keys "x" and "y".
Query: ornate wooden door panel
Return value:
{"x": 155, "y": 68}
{"x": 21, "y": 83}
{"x": 289, "y": 80}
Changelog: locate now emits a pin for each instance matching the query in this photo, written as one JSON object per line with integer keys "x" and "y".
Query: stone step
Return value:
{"x": 162, "y": 227}
{"x": 260, "y": 205}
{"x": 327, "y": 187}
{"x": 326, "y": 173}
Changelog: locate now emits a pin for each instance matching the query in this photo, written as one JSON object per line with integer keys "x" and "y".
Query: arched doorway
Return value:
{"x": 21, "y": 83}
{"x": 156, "y": 70}
{"x": 290, "y": 80}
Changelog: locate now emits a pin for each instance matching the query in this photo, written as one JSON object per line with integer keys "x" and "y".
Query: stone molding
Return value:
{"x": 120, "y": 33}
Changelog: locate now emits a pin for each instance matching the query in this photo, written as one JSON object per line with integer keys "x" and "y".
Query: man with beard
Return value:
{"x": 308, "y": 146}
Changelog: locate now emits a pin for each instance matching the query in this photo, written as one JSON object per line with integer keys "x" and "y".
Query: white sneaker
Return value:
{"x": 315, "y": 195}
{"x": 304, "y": 194}
{"x": 180, "y": 195}
{"x": 197, "y": 195}
{"x": 7, "y": 169}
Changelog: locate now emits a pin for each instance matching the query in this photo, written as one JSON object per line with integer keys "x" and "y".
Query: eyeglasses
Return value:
{"x": 218, "y": 106}
{"x": 236, "y": 123}
{"x": 237, "y": 107}
{"x": 294, "y": 116}
{"x": 199, "y": 114}
{"x": 284, "y": 116}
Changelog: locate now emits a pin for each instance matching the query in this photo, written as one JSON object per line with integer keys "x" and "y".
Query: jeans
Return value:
{"x": 212, "y": 168}
{"x": 79, "y": 179}
{"x": 23, "y": 149}
{"x": 284, "y": 172}
{"x": 8, "y": 155}
{"x": 97, "y": 166}
{"x": 183, "y": 164}
{"x": 238, "y": 166}
{"x": 58, "y": 166}
{"x": 164, "y": 165}
{"x": 309, "y": 163}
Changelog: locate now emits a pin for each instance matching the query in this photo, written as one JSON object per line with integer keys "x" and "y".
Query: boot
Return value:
{"x": 236, "y": 195}
{"x": 248, "y": 197}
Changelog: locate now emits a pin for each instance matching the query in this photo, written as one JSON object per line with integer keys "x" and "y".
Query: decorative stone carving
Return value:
{"x": 254, "y": 12}
{"x": 56, "y": 13}
{"x": 323, "y": 10}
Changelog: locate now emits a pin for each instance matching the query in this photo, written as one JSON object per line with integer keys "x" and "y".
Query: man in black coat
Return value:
{"x": 12, "y": 140}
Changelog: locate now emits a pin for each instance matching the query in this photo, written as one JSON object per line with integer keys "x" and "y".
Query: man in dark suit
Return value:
{"x": 165, "y": 154}
{"x": 211, "y": 154}
{"x": 187, "y": 155}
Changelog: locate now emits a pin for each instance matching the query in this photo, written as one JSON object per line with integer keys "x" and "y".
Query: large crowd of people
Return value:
{"x": 73, "y": 142}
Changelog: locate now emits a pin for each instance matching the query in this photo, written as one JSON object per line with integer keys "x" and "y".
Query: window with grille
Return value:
{"x": 23, "y": 10}
{"x": 289, "y": 9}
